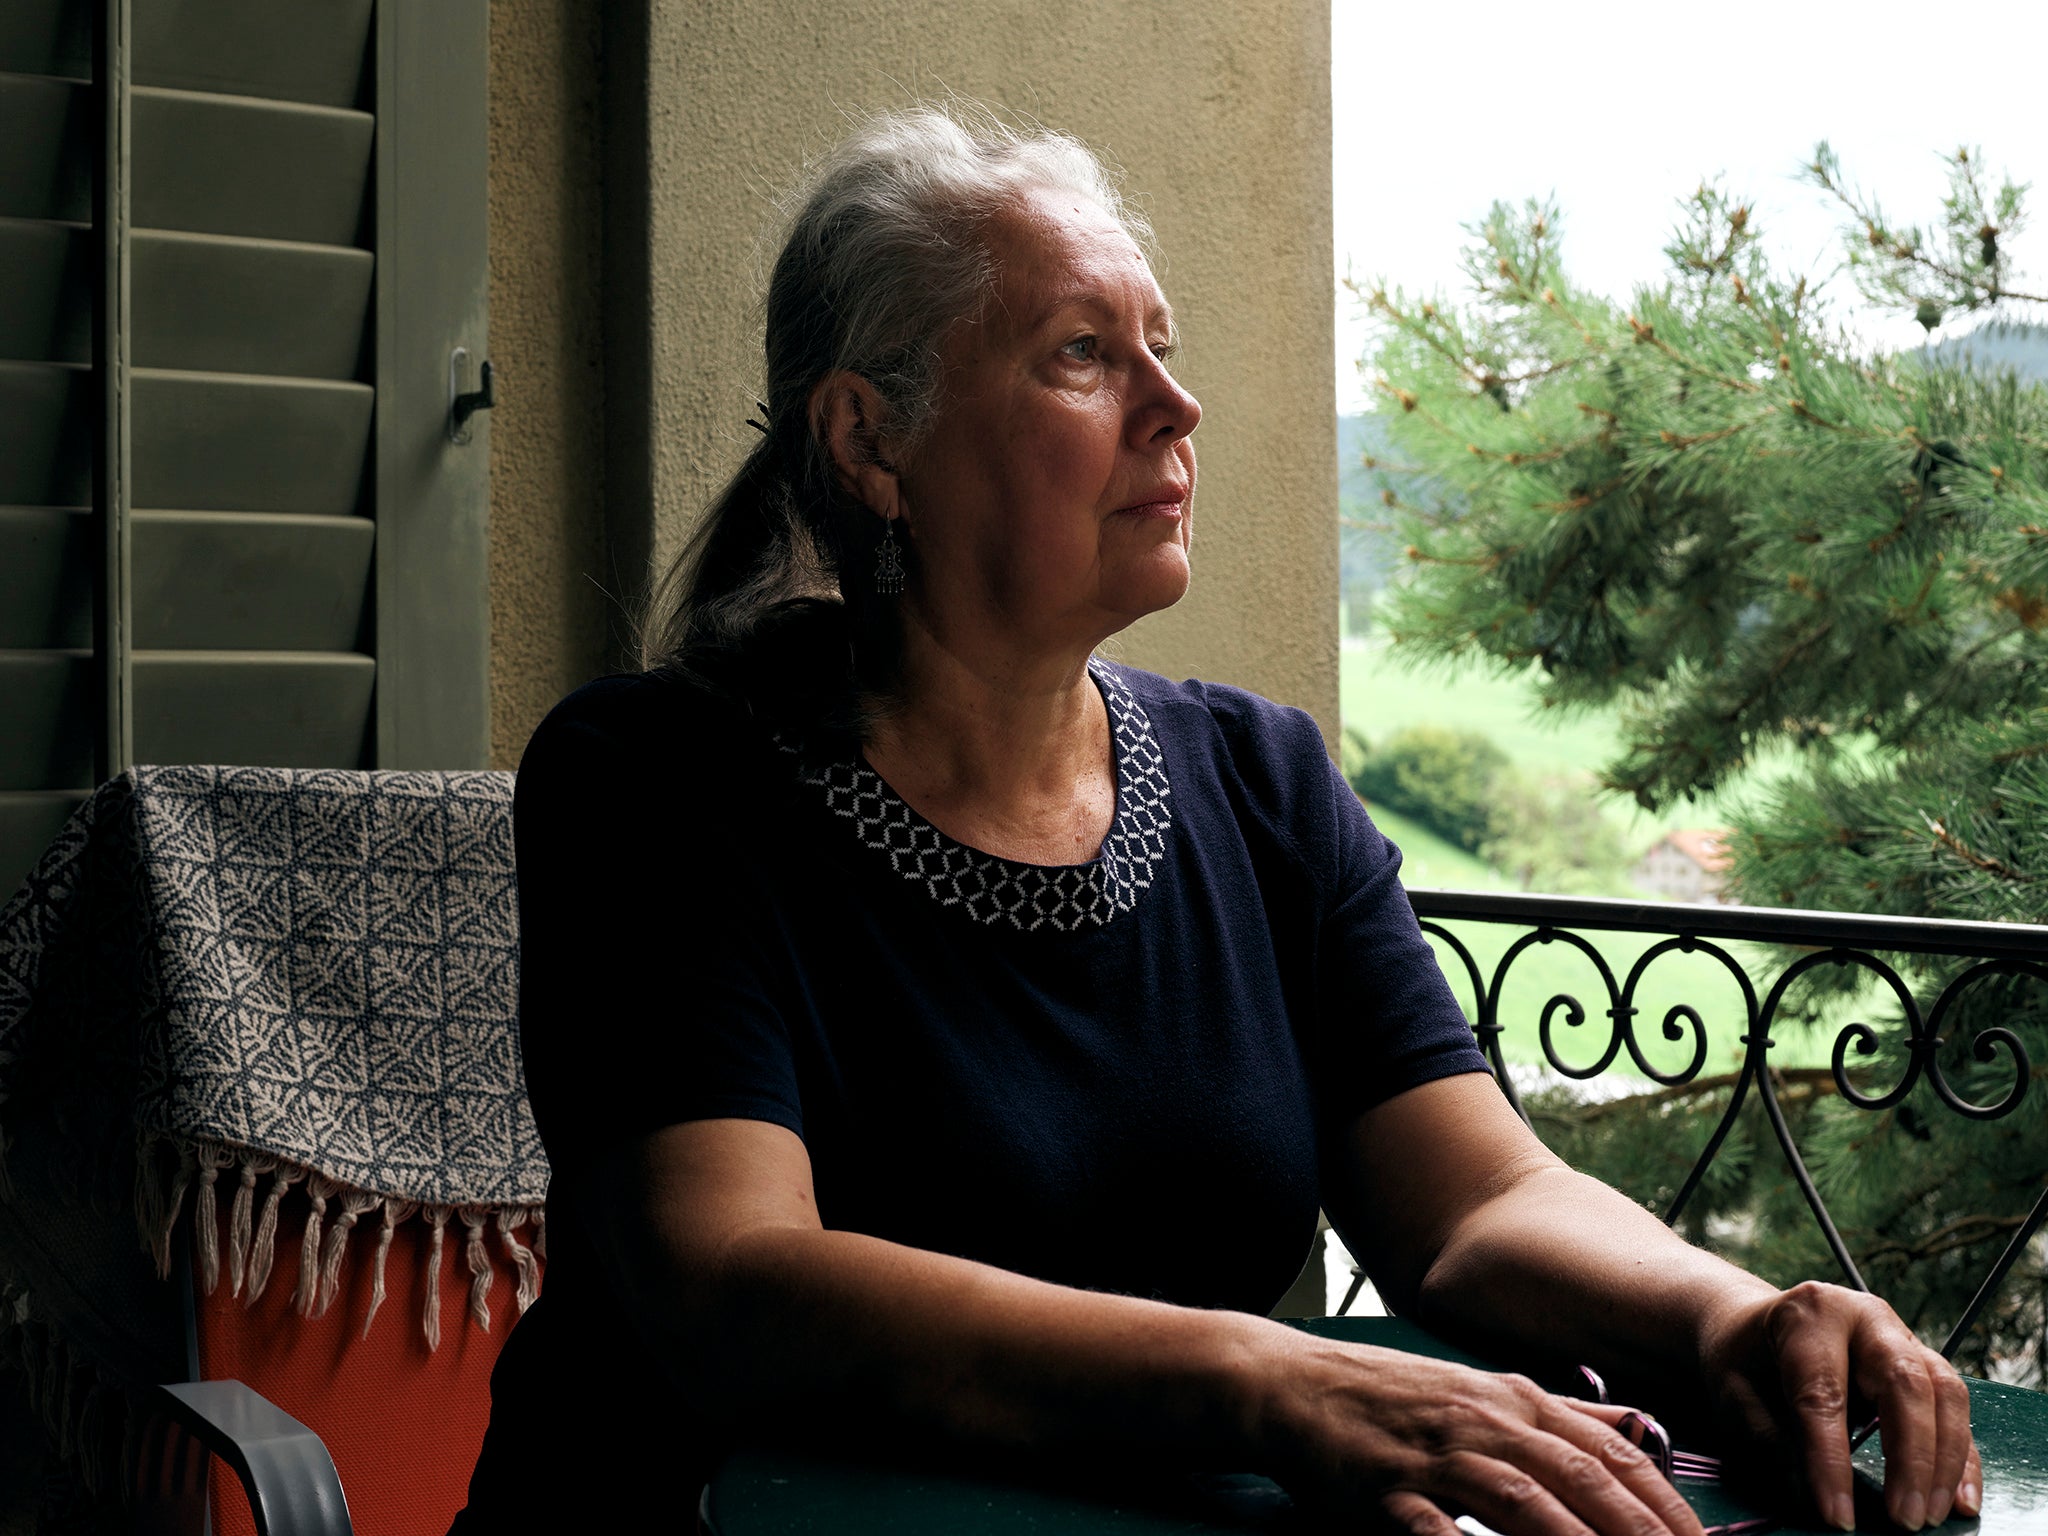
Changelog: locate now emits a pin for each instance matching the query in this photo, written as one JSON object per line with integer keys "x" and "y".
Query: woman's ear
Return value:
{"x": 847, "y": 412}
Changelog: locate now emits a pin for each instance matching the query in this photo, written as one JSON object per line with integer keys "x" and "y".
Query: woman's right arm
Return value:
{"x": 712, "y": 1236}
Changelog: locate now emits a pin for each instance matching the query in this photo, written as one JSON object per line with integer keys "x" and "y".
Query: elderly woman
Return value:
{"x": 939, "y": 1029}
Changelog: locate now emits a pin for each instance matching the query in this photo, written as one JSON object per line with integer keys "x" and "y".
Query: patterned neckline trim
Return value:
{"x": 1001, "y": 892}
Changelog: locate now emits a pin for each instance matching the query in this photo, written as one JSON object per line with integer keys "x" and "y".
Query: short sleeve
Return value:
{"x": 1389, "y": 1019}
{"x": 647, "y": 976}
{"x": 1381, "y": 1018}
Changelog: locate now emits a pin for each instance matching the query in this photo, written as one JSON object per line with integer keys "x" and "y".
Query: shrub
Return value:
{"x": 1444, "y": 779}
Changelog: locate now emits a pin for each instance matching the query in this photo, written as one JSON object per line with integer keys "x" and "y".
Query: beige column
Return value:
{"x": 549, "y": 570}
{"x": 1219, "y": 113}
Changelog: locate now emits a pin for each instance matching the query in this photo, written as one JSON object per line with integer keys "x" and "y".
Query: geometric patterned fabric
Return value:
{"x": 1001, "y": 891}
{"x": 316, "y": 966}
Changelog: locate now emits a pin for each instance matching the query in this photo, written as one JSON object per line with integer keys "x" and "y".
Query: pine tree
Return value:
{"x": 1714, "y": 512}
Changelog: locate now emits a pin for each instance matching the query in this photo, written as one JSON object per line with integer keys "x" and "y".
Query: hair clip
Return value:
{"x": 762, "y": 425}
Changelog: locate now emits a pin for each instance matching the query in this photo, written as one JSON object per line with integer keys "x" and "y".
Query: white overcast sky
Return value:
{"x": 1620, "y": 109}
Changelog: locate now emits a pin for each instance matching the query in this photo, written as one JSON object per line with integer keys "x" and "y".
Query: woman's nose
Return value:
{"x": 1165, "y": 413}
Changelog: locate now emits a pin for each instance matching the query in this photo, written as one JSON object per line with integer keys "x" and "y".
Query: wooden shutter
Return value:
{"x": 286, "y": 247}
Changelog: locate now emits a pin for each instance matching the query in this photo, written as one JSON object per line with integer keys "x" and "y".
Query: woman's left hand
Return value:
{"x": 1800, "y": 1370}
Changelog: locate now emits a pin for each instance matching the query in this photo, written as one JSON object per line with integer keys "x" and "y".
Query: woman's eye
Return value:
{"x": 1081, "y": 349}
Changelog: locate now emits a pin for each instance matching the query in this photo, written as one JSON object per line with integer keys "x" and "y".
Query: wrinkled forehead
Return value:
{"x": 1054, "y": 249}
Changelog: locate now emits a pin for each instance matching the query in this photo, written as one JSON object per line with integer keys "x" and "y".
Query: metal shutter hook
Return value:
{"x": 463, "y": 405}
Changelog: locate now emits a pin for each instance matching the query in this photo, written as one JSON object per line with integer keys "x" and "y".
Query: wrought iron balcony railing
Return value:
{"x": 1984, "y": 950}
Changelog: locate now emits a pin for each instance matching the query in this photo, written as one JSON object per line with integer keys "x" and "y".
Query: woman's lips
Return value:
{"x": 1151, "y": 509}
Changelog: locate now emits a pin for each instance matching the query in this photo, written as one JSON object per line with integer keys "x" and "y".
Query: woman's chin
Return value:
{"x": 1160, "y": 581}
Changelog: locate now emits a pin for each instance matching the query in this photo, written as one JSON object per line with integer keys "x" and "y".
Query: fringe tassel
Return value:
{"x": 70, "y": 1405}
{"x": 92, "y": 1435}
{"x": 7, "y": 1061}
{"x": 473, "y": 1218}
{"x": 55, "y": 1367}
{"x": 430, "y": 1314}
{"x": 320, "y": 1190}
{"x": 150, "y": 1190}
{"x": 264, "y": 1245}
{"x": 69, "y": 1401}
{"x": 33, "y": 1339}
{"x": 66, "y": 1391}
{"x": 167, "y": 1171}
{"x": 167, "y": 1218}
{"x": 206, "y": 1215}
{"x": 395, "y": 1211}
{"x": 354, "y": 1206}
{"x": 128, "y": 1462}
{"x": 520, "y": 1255}
{"x": 240, "y": 1215}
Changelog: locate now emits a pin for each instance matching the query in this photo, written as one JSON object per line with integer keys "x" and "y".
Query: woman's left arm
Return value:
{"x": 1470, "y": 1225}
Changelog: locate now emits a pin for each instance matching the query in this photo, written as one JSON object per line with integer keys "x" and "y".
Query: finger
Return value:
{"x": 1412, "y": 1513}
{"x": 1813, "y": 1371}
{"x": 1593, "y": 1432}
{"x": 1970, "y": 1491}
{"x": 1607, "y": 1413}
{"x": 1897, "y": 1380}
{"x": 1584, "y": 1478}
{"x": 1508, "y": 1498}
{"x": 1951, "y": 1436}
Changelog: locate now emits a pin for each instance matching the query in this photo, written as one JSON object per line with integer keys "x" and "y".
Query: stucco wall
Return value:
{"x": 1219, "y": 112}
{"x": 548, "y": 614}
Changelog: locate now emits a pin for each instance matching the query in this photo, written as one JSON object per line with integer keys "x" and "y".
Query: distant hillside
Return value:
{"x": 1365, "y": 555}
{"x": 2001, "y": 344}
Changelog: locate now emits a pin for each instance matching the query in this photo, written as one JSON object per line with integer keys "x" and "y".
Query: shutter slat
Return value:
{"x": 45, "y": 434}
{"x": 227, "y": 305}
{"x": 46, "y": 169}
{"x": 237, "y": 581}
{"x": 217, "y": 165}
{"x": 48, "y": 697}
{"x": 234, "y": 165}
{"x": 33, "y": 41}
{"x": 215, "y": 303}
{"x": 46, "y": 298}
{"x": 220, "y": 442}
{"x": 267, "y": 708}
{"x": 211, "y": 442}
{"x": 305, "y": 53}
{"x": 45, "y": 580}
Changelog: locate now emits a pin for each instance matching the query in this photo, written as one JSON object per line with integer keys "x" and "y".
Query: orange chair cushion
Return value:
{"x": 402, "y": 1422}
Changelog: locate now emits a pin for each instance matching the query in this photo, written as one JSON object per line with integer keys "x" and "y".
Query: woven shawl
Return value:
{"x": 306, "y": 974}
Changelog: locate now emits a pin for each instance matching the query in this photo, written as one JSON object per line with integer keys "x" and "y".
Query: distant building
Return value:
{"x": 1687, "y": 865}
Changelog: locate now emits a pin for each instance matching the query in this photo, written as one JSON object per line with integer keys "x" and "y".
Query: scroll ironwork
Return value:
{"x": 1827, "y": 939}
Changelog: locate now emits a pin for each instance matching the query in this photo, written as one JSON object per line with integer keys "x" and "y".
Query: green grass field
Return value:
{"x": 1380, "y": 694}
{"x": 1380, "y": 697}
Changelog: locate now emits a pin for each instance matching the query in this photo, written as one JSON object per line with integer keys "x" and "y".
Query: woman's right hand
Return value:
{"x": 1411, "y": 1442}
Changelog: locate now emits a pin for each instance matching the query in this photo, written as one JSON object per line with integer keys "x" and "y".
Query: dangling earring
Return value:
{"x": 889, "y": 562}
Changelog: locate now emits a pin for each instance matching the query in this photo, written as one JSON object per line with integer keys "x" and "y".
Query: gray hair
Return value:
{"x": 885, "y": 251}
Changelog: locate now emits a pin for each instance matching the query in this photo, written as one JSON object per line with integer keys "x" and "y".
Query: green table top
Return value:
{"x": 781, "y": 1493}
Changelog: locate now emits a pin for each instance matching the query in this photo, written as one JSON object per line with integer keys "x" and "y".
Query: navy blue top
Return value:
{"x": 1113, "y": 1075}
